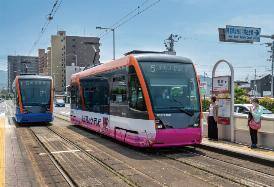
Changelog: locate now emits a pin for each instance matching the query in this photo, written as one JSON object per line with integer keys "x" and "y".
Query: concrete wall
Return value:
{"x": 265, "y": 134}
{"x": 58, "y": 61}
{"x": 76, "y": 45}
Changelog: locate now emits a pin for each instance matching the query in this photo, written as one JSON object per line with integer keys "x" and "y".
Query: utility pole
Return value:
{"x": 271, "y": 57}
{"x": 255, "y": 84}
{"x": 272, "y": 67}
{"x": 113, "y": 37}
{"x": 169, "y": 43}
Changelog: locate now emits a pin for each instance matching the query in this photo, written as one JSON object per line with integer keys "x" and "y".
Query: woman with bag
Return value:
{"x": 254, "y": 121}
{"x": 212, "y": 120}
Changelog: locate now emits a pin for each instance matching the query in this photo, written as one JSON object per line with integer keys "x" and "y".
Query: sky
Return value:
{"x": 196, "y": 21}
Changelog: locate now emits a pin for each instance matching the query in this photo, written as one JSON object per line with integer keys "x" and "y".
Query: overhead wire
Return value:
{"x": 138, "y": 13}
{"x": 50, "y": 17}
{"x": 134, "y": 13}
{"x": 124, "y": 17}
{"x": 131, "y": 12}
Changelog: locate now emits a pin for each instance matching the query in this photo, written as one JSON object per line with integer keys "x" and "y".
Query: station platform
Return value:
{"x": 15, "y": 169}
{"x": 240, "y": 149}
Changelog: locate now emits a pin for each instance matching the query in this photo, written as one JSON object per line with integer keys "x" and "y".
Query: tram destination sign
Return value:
{"x": 239, "y": 34}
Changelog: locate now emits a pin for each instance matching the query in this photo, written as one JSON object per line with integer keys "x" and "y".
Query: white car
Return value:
{"x": 59, "y": 103}
{"x": 245, "y": 108}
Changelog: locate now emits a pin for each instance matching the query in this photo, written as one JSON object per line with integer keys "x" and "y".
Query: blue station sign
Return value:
{"x": 242, "y": 34}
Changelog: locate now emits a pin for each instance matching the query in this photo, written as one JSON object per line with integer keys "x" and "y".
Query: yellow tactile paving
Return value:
{"x": 2, "y": 151}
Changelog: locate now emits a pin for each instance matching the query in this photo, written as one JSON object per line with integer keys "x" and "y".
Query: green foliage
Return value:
{"x": 205, "y": 104}
{"x": 268, "y": 103}
{"x": 242, "y": 100}
{"x": 240, "y": 96}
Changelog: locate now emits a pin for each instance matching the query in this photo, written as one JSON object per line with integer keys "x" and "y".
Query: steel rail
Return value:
{"x": 66, "y": 176}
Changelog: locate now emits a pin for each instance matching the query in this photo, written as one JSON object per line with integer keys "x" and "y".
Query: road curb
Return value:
{"x": 240, "y": 154}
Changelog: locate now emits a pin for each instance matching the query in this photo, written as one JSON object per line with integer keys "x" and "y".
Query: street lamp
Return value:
{"x": 113, "y": 35}
{"x": 74, "y": 56}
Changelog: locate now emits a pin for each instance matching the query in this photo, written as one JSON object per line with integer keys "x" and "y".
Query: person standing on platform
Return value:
{"x": 212, "y": 120}
{"x": 254, "y": 121}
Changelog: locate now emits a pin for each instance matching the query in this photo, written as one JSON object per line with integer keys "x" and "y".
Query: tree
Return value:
{"x": 240, "y": 95}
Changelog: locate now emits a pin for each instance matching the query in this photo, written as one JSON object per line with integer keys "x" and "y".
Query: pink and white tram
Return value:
{"x": 145, "y": 100}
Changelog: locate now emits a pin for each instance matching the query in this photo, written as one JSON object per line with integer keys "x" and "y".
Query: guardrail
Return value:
{"x": 265, "y": 134}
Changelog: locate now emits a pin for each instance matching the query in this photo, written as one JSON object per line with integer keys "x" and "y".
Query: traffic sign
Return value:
{"x": 242, "y": 34}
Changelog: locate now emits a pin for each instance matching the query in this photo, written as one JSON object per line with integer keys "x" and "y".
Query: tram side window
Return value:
{"x": 95, "y": 91}
{"x": 136, "y": 99}
{"x": 75, "y": 97}
{"x": 119, "y": 90}
{"x": 118, "y": 93}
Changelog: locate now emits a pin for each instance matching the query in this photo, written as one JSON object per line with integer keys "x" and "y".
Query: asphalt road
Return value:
{"x": 62, "y": 110}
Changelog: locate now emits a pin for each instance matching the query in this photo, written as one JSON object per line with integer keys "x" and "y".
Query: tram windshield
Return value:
{"x": 172, "y": 87}
{"x": 35, "y": 92}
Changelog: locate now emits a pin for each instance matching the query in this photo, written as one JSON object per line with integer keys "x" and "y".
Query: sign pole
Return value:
{"x": 232, "y": 125}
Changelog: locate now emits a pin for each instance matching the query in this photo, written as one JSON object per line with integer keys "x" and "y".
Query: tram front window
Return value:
{"x": 35, "y": 92}
{"x": 172, "y": 86}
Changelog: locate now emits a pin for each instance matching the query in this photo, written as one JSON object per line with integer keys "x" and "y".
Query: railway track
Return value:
{"x": 231, "y": 171}
{"x": 101, "y": 162}
{"x": 265, "y": 170}
{"x": 237, "y": 171}
{"x": 101, "y": 153}
{"x": 74, "y": 146}
{"x": 66, "y": 176}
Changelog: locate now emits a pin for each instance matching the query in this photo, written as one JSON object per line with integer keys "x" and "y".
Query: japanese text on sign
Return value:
{"x": 242, "y": 34}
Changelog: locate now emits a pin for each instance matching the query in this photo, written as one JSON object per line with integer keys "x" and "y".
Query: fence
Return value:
{"x": 265, "y": 134}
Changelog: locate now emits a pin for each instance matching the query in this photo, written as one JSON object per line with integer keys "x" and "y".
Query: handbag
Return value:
{"x": 254, "y": 125}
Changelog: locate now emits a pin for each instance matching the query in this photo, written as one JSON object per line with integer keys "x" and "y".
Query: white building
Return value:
{"x": 70, "y": 70}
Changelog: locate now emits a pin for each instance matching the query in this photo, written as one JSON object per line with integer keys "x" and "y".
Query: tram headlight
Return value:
{"x": 159, "y": 124}
{"x": 196, "y": 125}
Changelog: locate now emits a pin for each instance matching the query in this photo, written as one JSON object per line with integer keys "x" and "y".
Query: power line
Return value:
{"x": 124, "y": 20}
{"x": 124, "y": 17}
{"x": 50, "y": 17}
{"x": 131, "y": 12}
